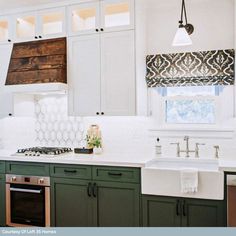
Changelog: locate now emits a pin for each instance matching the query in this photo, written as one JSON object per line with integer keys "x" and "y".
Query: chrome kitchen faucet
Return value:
{"x": 187, "y": 150}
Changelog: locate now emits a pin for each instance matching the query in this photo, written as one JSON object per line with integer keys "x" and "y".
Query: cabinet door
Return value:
{"x": 6, "y": 99}
{"x": 84, "y": 75}
{"x": 117, "y": 15}
{"x": 84, "y": 18}
{"x": 118, "y": 73}
{"x": 203, "y": 213}
{"x": 26, "y": 26}
{"x": 161, "y": 211}
{"x": 6, "y": 30}
{"x": 2, "y": 201}
{"x": 117, "y": 204}
{"x": 52, "y": 23}
{"x": 71, "y": 205}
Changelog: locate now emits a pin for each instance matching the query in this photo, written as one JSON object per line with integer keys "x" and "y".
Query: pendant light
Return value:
{"x": 182, "y": 36}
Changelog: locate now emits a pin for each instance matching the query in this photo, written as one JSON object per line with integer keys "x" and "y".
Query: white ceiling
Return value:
{"x": 10, "y": 4}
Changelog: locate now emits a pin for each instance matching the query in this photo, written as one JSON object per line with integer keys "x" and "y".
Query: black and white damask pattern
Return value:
{"x": 191, "y": 69}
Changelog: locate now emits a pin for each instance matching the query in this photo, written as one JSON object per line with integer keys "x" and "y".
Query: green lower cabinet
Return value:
{"x": 159, "y": 211}
{"x": 203, "y": 213}
{"x": 2, "y": 200}
{"x": 70, "y": 204}
{"x": 117, "y": 204}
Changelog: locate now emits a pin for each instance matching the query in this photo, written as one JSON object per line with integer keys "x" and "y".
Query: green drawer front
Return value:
{"x": 23, "y": 168}
{"x": 71, "y": 171}
{"x": 117, "y": 174}
{"x": 2, "y": 167}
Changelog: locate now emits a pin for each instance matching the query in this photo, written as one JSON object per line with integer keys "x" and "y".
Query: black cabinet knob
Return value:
{"x": 40, "y": 36}
{"x": 9, "y": 40}
{"x": 97, "y": 113}
{"x": 35, "y": 37}
{"x": 97, "y": 30}
{"x": 102, "y": 113}
{"x": 9, "y": 114}
{"x": 102, "y": 29}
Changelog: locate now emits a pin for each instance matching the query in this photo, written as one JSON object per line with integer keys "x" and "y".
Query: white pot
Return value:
{"x": 97, "y": 151}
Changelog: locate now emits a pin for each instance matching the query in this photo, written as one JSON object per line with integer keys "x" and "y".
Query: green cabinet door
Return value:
{"x": 2, "y": 200}
{"x": 161, "y": 211}
{"x": 117, "y": 204}
{"x": 70, "y": 204}
{"x": 203, "y": 213}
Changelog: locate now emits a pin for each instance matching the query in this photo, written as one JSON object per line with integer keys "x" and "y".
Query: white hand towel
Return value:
{"x": 189, "y": 180}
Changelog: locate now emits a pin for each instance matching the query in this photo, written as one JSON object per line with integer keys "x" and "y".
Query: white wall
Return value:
{"x": 213, "y": 21}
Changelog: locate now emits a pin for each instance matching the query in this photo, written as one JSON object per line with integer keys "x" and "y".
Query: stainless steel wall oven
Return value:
{"x": 27, "y": 201}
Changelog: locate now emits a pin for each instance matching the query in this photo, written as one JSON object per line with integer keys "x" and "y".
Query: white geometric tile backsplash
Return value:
{"x": 53, "y": 126}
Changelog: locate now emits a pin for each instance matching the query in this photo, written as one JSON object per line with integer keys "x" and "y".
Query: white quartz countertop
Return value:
{"x": 128, "y": 159}
{"x": 105, "y": 159}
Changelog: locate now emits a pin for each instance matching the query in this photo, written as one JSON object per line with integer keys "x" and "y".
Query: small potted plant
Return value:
{"x": 95, "y": 143}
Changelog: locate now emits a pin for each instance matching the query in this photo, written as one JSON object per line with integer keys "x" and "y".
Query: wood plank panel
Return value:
{"x": 37, "y": 63}
{"x": 39, "y": 48}
{"x": 37, "y": 76}
{"x": 41, "y": 61}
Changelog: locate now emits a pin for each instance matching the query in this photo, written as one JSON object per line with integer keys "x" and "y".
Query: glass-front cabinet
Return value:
{"x": 84, "y": 18}
{"x": 52, "y": 22}
{"x": 117, "y": 15}
{"x": 47, "y": 23}
{"x": 5, "y": 29}
{"x": 25, "y": 26}
{"x": 99, "y": 16}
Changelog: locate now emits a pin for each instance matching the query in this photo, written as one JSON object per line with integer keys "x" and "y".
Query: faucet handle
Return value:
{"x": 197, "y": 149}
{"x": 178, "y": 148}
{"x": 200, "y": 144}
{"x": 217, "y": 148}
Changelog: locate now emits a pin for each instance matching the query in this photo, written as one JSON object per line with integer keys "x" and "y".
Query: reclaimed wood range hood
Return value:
{"x": 38, "y": 64}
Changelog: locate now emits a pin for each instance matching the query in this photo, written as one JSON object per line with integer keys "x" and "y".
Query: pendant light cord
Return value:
{"x": 183, "y": 13}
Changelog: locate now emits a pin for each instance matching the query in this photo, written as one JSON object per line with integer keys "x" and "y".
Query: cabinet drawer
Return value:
{"x": 23, "y": 168}
{"x": 116, "y": 174}
{"x": 2, "y": 167}
{"x": 71, "y": 171}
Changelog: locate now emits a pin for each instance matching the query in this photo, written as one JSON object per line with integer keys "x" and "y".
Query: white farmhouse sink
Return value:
{"x": 162, "y": 177}
{"x": 183, "y": 163}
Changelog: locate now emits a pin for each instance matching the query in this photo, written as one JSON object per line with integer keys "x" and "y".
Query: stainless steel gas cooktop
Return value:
{"x": 47, "y": 151}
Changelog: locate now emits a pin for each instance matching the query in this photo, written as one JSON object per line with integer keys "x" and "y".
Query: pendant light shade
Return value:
{"x": 182, "y": 37}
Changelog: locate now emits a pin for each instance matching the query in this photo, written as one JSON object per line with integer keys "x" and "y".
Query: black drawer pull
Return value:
{"x": 114, "y": 174}
{"x": 95, "y": 190}
{"x": 89, "y": 190}
{"x": 70, "y": 171}
{"x": 184, "y": 208}
{"x": 177, "y": 208}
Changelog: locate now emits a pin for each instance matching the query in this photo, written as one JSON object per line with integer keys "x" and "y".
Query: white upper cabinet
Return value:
{"x": 84, "y": 18}
{"x": 117, "y": 15}
{"x": 118, "y": 74}
{"x": 84, "y": 75}
{"x": 99, "y": 16}
{"x": 6, "y": 99}
{"x": 47, "y": 23}
{"x": 6, "y": 29}
{"x": 102, "y": 74}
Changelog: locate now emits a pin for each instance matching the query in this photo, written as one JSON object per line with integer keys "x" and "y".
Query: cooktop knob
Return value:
{"x": 41, "y": 181}
{"x": 13, "y": 179}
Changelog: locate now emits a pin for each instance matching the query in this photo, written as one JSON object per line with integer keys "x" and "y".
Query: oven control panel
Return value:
{"x": 31, "y": 180}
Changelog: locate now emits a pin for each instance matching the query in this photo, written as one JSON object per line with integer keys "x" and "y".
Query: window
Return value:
{"x": 190, "y": 105}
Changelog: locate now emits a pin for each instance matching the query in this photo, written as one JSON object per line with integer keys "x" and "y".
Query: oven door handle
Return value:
{"x": 25, "y": 190}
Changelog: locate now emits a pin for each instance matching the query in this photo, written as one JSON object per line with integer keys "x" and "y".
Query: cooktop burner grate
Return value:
{"x": 37, "y": 151}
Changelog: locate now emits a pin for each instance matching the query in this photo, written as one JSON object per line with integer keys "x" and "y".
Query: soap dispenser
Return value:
{"x": 158, "y": 147}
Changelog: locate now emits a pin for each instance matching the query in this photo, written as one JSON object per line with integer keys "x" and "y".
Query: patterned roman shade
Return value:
{"x": 191, "y": 69}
